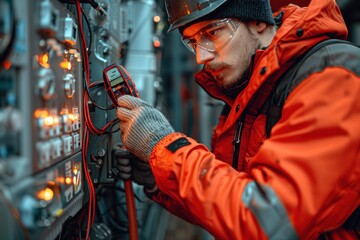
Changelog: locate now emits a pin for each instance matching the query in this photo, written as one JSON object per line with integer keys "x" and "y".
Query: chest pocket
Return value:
{"x": 257, "y": 137}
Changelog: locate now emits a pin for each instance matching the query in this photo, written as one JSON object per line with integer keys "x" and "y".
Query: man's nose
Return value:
{"x": 203, "y": 56}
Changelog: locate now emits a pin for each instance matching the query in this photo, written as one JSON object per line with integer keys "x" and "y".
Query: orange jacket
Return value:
{"x": 297, "y": 184}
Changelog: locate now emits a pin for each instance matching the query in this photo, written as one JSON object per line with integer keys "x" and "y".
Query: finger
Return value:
{"x": 124, "y": 127}
{"x": 123, "y": 161}
{"x": 122, "y": 153}
{"x": 124, "y": 114}
{"x": 124, "y": 176}
{"x": 124, "y": 169}
{"x": 130, "y": 102}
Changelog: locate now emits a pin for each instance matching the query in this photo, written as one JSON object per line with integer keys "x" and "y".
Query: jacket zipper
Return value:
{"x": 236, "y": 142}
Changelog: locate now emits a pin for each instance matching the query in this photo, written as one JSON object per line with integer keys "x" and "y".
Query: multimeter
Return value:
{"x": 118, "y": 82}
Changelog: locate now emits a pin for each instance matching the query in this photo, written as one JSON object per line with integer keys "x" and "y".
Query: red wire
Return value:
{"x": 131, "y": 210}
{"x": 88, "y": 125}
{"x": 95, "y": 83}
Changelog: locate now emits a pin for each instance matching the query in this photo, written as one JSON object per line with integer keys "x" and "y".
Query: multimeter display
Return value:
{"x": 114, "y": 76}
{"x": 117, "y": 82}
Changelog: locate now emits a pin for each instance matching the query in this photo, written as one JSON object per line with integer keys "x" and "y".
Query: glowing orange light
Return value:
{"x": 45, "y": 194}
{"x": 60, "y": 180}
{"x": 40, "y": 113}
{"x": 49, "y": 120}
{"x": 56, "y": 120}
{"x": 68, "y": 180}
{"x": 157, "y": 43}
{"x": 156, "y": 18}
{"x": 64, "y": 111}
{"x": 72, "y": 117}
{"x": 7, "y": 64}
{"x": 65, "y": 65}
{"x": 43, "y": 60}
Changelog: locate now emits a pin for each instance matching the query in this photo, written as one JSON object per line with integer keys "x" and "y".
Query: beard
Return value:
{"x": 235, "y": 84}
{"x": 234, "y": 88}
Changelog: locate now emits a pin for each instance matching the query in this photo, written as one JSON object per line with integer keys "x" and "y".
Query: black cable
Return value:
{"x": 70, "y": 231}
{"x": 97, "y": 7}
{"x": 115, "y": 123}
{"x": 110, "y": 107}
{"x": 89, "y": 29}
{"x": 85, "y": 82}
{"x": 90, "y": 97}
{"x": 4, "y": 54}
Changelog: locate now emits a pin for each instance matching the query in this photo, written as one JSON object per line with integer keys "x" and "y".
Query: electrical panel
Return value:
{"x": 58, "y": 129}
{"x": 41, "y": 111}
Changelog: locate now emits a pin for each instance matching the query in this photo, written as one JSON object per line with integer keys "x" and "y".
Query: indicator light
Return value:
{"x": 157, "y": 43}
{"x": 41, "y": 113}
{"x": 68, "y": 180}
{"x": 157, "y": 18}
{"x": 65, "y": 65}
{"x": 43, "y": 60}
{"x": 7, "y": 65}
{"x": 49, "y": 121}
{"x": 46, "y": 194}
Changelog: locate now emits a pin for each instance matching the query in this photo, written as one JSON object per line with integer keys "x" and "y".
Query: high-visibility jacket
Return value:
{"x": 303, "y": 181}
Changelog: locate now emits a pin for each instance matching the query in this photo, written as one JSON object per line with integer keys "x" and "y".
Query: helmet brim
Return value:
{"x": 192, "y": 13}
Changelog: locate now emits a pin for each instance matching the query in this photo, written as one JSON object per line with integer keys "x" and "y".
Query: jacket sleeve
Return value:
{"x": 171, "y": 205}
{"x": 303, "y": 181}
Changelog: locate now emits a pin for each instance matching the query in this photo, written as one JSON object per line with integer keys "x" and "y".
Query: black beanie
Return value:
{"x": 245, "y": 10}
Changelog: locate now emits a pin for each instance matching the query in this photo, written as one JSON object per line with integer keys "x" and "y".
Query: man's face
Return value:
{"x": 228, "y": 63}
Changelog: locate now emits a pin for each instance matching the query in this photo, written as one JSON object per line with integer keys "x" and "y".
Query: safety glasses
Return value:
{"x": 212, "y": 37}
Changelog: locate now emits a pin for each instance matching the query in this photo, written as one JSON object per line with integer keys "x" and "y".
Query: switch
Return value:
{"x": 46, "y": 83}
{"x": 49, "y": 18}
{"x": 42, "y": 131}
{"x": 69, "y": 85}
{"x": 67, "y": 144}
{"x": 70, "y": 31}
{"x": 76, "y": 119}
{"x": 56, "y": 148}
{"x": 76, "y": 140}
{"x": 57, "y": 126}
{"x": 67, "y": 123}
{"x": 44, "y": 153}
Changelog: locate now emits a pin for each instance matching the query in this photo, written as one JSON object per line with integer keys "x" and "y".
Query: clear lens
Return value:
{"x": 212, "y": 37}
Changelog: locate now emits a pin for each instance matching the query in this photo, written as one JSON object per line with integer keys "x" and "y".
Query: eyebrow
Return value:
{"x": 204, "y": 27}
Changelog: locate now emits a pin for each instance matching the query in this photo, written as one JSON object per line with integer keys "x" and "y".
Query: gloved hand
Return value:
{"x": 142, "y": 126}
{"x": 131, "y": 167}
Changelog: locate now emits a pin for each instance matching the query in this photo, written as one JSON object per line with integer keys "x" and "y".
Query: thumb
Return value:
{"x": 130, "y": 102}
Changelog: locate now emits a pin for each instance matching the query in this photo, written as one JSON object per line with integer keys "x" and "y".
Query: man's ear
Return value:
{"x": 257, "y": 27}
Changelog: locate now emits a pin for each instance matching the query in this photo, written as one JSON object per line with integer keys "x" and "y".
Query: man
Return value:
{"x": 301, "y": 180}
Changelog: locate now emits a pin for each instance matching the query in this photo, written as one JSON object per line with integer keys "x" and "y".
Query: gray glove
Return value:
{"x": 131, "y": 167}
{"x": 142, "y": 126}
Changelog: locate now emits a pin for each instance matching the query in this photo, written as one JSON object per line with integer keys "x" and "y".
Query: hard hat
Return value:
{"x": 182, "y": 13}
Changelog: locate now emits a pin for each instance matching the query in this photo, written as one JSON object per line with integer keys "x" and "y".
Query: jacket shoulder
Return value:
{"x": 341, "y": 54}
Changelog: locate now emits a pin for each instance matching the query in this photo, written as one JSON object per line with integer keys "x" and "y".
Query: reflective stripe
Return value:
{"x": 269, "y": 211}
